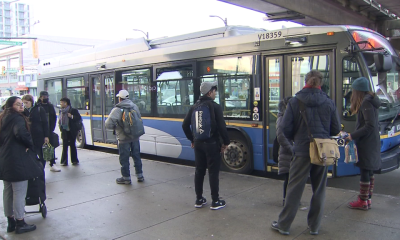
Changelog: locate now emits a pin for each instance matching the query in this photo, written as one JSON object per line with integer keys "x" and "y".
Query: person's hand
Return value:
{"x": 223, "y": 148}
{"x": 46, "y": 140}
{"x": 27, "y": 150}
{"x": 192, "y": 145}
{"x": 69, "y": 115}
{"x": 348, "y": 139}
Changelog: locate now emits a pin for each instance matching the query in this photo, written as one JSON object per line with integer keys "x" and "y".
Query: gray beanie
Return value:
{"x": 361, "y": 84}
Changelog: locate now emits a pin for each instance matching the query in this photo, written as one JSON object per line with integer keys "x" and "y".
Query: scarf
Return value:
{"x": 64, "y": 119}
{"x": 309, "y": 86}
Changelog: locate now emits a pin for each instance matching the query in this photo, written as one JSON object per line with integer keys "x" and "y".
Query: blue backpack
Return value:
{"x": 203, "y": 117}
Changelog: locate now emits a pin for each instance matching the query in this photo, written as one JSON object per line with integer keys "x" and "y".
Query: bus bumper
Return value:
{"x": 390, "y": 160}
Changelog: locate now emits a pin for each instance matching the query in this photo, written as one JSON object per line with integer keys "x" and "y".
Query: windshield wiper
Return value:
{"x": 390, "y": 125}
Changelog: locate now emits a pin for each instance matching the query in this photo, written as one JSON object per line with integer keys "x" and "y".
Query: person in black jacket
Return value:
{"x": 324, "y": 122}
{"x": 51, "y": 115}
{"x": 365, "y": 104}
{"x": 68, "y": 121}
{"x": 16, "y": 163}
{"x": 38, "y": 125}
{"x": 207, "y": 152}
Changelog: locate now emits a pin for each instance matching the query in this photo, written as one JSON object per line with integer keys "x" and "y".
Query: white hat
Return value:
{"x": 123, "y": 94}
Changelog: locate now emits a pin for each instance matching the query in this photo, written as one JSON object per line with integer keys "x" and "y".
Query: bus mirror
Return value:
{"x": 383, "y": 63}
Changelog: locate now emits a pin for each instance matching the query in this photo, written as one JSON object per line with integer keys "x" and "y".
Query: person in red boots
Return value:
{"x": 365, "y": 104}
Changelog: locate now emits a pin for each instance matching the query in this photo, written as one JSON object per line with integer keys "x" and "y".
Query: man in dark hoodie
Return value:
{"x": 323, "y": 122}
{"x": 207, "y": 152}
{"x": 127, "y": 144}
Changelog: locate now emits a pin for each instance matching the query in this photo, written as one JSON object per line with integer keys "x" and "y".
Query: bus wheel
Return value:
{"x": 80, "y": 139}
{"x": 237, "y": 157}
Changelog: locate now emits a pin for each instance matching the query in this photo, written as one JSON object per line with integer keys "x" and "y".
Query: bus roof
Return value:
{"x": 129, "y": 49}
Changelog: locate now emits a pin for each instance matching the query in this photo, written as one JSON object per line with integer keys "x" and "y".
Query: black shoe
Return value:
{"x": 200, "y": 202}
{"x": 23, "y": 227}
{"x": 64, "y": 164}
{"x": 75, "y": 163}
{"x": 140, "y": 179}
{"x": 11, "y": 224}
{"x": 123, "y": 180}
{"x": 275, "y": 226}
{"x": 215, "y": 205}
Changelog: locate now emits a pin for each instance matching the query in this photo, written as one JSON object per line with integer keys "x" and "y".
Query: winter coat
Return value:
{"x": 322, "y": 119}
{"x": 72, "y": 124}
{"x": 51, "y": 114}
{"x": 114, "y": 120}
{"x": 218, "y": 128}
{"x": 366, "y": 136}
{"x": 286, "y": 146}
{"x": 15, "y": 163}
{"x": 38, "y": 124}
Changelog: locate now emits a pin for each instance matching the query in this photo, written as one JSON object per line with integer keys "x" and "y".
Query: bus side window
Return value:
{"x": 351, "y": 71}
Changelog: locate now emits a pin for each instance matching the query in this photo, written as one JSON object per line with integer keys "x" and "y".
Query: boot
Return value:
{"x": 371, "y": 190}
{"x": 11, "y": 224}
{"x": 23, "y": 227}
{"x": 361, "y": 202}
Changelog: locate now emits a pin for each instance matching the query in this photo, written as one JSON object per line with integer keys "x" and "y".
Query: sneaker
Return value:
{"x": 123, "y": 180}
{"x": 359, "y": 204}
{"x": 200, "y": 202}
{"x": 54, "y": 168}
{"x": 140, "y": 179}
{"x": 275, "y": 226}
{"x": 215, "y": 205}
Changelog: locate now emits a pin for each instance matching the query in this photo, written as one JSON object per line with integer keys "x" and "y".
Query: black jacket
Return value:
{"x": 321, "y": 115}
{"x": 72, "y": 123}
{"x": 15, "y": 163}
{"x": 50, "y": 114}
{"x": 366, "y": 136}
{"x": 218, "y": 130}
{"x": 38, "y": 124}
{"x": 286, "y": 146}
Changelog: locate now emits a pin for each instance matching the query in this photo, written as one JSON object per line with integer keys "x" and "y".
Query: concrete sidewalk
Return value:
{"x": 84, "y": 202}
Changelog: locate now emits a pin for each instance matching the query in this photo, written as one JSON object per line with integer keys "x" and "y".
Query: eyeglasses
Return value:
{"x": 19, "y": 104}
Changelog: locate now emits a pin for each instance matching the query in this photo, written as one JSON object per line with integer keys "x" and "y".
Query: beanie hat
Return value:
{"x": 361, "y": 84}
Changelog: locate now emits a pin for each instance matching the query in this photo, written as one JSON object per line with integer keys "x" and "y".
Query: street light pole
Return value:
{"x": 225, "y": 21}
{"x": 145, "y": 33}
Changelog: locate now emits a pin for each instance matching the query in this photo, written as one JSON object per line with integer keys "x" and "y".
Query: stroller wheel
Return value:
{"x": 44, "y": 211}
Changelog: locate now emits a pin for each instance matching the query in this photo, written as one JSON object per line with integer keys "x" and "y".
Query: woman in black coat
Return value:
{"x": 69, "y": 119}
{"x": 17, "y": 163}
{"x": 38, "y": 125}
{"x": 366, "y": 137}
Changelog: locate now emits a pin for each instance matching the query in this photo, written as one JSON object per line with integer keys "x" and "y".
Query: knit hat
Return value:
{"x": 361, "y": 84}
{"x": 44, "y": 93}
{"x": 206, "y": 87}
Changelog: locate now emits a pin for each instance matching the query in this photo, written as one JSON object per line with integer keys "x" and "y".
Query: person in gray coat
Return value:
{"x": 285, "y": 146}
{"x": 365, "y": 104}
{"x": 128, "y": 145}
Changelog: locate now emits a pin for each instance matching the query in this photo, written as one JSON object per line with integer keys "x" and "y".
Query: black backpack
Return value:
{"x": 275, "y": 150}
{"x": 203, "y": 118}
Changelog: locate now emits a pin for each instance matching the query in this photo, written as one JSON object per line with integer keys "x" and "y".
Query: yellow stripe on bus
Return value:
{"x": 386, "y": 136}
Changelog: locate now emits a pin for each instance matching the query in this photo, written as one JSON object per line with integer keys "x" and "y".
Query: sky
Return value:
{"x": 115, "y": 19}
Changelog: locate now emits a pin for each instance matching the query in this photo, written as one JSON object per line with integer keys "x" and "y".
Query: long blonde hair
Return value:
{"x": 356, "y": 99}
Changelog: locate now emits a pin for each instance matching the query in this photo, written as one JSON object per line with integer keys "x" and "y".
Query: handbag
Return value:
{"x": 48, "y": 152}
{"x": 323, "y": 151}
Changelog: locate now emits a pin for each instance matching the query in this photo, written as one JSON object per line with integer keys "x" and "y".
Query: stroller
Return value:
{"x": 36, "y": 194}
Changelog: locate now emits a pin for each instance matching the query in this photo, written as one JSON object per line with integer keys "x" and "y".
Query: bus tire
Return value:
{"x": 237, "y": 156}
{"x": 81, "y": 138}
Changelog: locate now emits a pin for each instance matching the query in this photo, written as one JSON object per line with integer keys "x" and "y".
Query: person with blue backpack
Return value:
{"x": 203, "y": 126}
{"x": 125, "y": 120}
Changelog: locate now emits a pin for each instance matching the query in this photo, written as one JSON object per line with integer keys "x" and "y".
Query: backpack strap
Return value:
{"x": 303, "y": 114}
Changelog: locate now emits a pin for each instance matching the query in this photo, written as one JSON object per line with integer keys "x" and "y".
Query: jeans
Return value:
{"x": 125, "y": 151}
{"x": 69, "y": 141}
{"x": 207, "y": 155}
{"x": 14, "y": 194}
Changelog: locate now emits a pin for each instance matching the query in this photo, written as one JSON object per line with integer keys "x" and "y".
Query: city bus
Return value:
{"x": 254, "y": 69}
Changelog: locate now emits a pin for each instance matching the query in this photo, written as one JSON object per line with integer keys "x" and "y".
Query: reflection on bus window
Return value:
{"x": 351, "y": 71}
{"x": 78, "y": 93}
{"x": 302, "y": 65}
{"x": 234, "y": 77}
{"x": 137, "y": 83}
{"x": 54, "y": 88}
{"x": 174, "y": 90}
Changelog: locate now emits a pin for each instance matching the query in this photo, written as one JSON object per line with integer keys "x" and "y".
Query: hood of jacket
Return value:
{"x": 8, "y": 119}
{"x": 374, "y": 100}
{"x": 312, "y": 97}
{"x": 127, "y": 103}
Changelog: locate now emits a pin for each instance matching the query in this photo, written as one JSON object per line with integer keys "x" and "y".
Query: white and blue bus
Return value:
{"x": 254, "y": 69}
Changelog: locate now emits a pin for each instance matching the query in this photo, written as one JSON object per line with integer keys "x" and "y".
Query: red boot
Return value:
{"x": 369, "y": 203}
{"x": 359, "y": 204}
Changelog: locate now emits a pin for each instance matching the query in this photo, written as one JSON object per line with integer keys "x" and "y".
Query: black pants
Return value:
{"x": 39, "y": 152}
{"x": 69, "y": 141}
{"x": 365, "y": 175}
{"x": 207, "y": 155}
